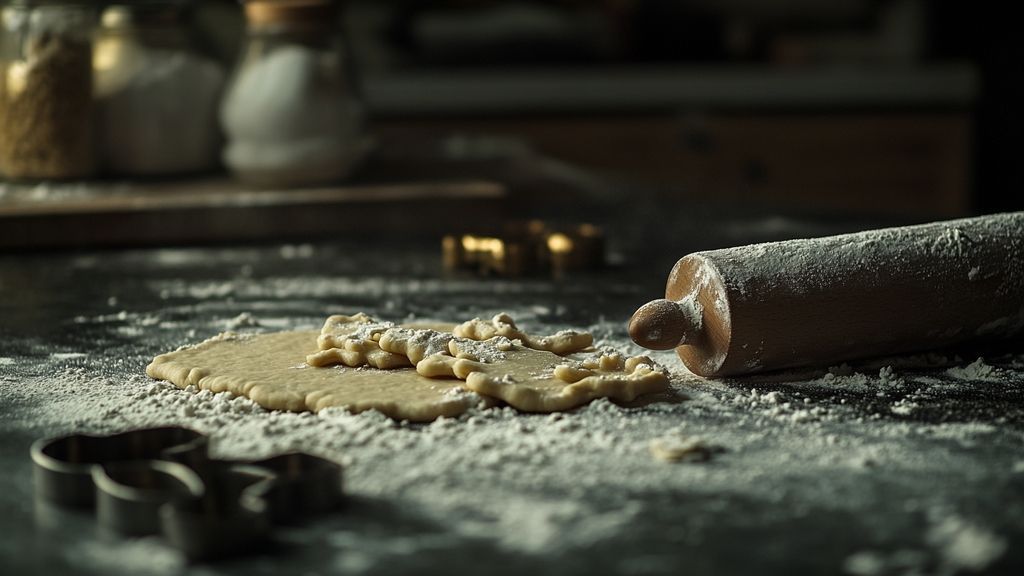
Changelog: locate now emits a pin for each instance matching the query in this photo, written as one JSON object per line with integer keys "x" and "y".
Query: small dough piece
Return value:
{"x": 268, "y": 369}
{"x": 561, "y": 343}
{"x": 540, "y": 381}
{"x": 418, "y": 343}
{"x": 679, "y": 448}
{"x": 338, "y": 328}
{"x": 415, "y": 344}
{"x": 356, "y": 353}
{"x": 352, "y": 341}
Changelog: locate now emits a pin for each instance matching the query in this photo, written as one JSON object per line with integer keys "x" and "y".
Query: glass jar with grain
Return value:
{"x": 46, "y": 100}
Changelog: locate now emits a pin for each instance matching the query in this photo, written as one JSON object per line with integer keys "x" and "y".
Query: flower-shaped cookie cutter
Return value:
{"x": 162, "y": 481}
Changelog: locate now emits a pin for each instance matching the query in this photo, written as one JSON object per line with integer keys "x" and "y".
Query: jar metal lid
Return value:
{"x": 168, "y": 13}
{"x": 305, "y": 13}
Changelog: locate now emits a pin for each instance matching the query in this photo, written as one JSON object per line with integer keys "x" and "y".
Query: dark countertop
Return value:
{"x": 898, "y": 466}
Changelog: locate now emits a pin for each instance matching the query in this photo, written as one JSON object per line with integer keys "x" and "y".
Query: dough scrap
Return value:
{"x": 355, "y": 353}
{"x": 417, "y": 344}
{"x": 561, "y": 343}
{"x": 680, "y": 448}
{"x": 413, "y": 344}
{"x": 338, "y": 328}
{"x": 541, "y": 381}
{"x": 269, "y": 369}
{"x": 530, "y": 375}
{"x": 352, "y": 341}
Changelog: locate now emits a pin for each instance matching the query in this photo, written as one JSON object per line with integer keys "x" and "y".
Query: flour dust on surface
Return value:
{"x": 812, "y": 454}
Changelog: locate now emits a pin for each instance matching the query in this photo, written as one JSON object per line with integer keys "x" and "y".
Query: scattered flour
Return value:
{"x": 964, "y": 545}
{"x": 143, "y": 556}
{"x": 952, "y": 545}
{"x": 67, "y": 355}
{"x": 974, "y": 371}
{"x": 582, "y": 486}
{"x": 243, "y": 320}
{"x": 297, "y": 251}
{"x": 953, "y": 242}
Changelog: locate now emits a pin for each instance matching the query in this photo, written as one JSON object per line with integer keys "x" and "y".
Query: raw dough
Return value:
{"x": 680, "y": 448}
{"x": 352, "y": 341}
{"x": 561, "y": 343}
{"x": 418, "y": 344}
{"x": 269, "y": 369}
{"x": 540, "y": 381}
{"x": 375, "y": 368}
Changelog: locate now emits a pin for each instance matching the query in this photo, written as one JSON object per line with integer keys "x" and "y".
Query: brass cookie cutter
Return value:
{"x": 526, "y": 248}
{"x": 162, "y": 481}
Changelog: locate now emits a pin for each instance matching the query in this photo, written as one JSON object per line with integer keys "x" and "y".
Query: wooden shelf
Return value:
{"x": 121, "y": 213}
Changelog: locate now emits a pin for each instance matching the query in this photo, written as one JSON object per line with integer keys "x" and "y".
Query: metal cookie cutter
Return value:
{"x": 162, "y": 481}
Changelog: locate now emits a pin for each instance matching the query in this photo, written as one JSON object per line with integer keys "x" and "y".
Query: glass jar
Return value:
{"x": 291, "y": 113}
{"x": 157, "y": 96}
{"x": 46, "y": 100}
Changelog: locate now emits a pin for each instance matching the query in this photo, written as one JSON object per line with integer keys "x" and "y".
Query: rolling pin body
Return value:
{"x": 819, "y": 301}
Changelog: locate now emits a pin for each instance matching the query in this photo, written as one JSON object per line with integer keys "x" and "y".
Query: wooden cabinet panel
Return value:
{"x": 899, "y": 163}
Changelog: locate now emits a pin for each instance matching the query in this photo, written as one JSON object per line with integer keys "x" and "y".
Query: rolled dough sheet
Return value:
{"x": 270, "y": 370}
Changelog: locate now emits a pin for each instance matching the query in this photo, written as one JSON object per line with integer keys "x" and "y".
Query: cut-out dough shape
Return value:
{"x": 418, "y": 344}
{"x": 269, "y": 369}
{"x": 338, "y": 328}
{"x": 352, "y": 341}
{"x": 540, "y": 381}
{"x": 561, "y": 343}
{"x": 415, "y": 345}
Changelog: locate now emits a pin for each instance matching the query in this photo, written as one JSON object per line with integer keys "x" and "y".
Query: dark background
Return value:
{"x": 944, "y": 146}
{"x": 884, "y": 112}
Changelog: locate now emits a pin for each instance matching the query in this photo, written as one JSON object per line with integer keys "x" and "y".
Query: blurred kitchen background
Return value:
{"x": 164, "y": 122}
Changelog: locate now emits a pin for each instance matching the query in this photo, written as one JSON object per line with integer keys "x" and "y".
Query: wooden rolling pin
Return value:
{"x": 824, "y": 300}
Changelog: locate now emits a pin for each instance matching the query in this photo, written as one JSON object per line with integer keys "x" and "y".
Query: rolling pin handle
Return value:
{"x": 665, "y": 324}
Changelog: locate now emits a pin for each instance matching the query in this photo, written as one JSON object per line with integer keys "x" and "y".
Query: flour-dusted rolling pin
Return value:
{"x": 824, "y": 300}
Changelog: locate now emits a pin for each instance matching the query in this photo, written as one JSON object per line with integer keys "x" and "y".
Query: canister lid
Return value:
{"x": 156, "y": 13}
{"x": 291, "y": 12}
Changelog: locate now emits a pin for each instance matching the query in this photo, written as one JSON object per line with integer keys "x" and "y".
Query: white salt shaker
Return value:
{"x": 291, "y": 113}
